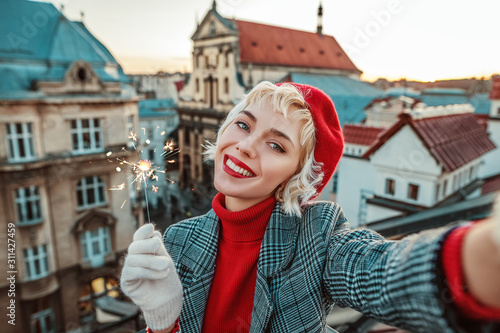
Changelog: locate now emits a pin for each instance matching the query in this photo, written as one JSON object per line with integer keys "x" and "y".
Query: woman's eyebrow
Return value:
{"x": 273, "y": 130}
{"x": 282, "y": 135}
{"x": 249, "y": 115}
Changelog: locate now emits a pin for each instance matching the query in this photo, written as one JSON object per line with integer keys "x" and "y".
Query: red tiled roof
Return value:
{"x": 361, "y": 135}
{"x": 453, "y": 140}
{"x": 270, "y": 45}
{"x": 491, "y": 184}
{"x": 495, "y": 89}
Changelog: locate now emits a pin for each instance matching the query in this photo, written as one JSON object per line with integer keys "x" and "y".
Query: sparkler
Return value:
{"x": 145, "y": 169}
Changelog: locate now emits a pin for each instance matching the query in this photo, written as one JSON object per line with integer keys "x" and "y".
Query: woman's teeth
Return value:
{"x": 237, "y": 169}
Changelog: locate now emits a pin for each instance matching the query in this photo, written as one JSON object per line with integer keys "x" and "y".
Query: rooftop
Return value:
{"x": 31, "y": 51}
{"x": 361, "y": 135}
{"x": 453, "y": 139}
{"x": 264, "y": 44}
{"x": 350, "y": 96}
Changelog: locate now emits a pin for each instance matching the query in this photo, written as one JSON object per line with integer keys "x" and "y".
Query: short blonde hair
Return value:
{"x": 302, "y": 186}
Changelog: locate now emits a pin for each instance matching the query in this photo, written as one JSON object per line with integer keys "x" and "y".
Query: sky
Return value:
{"x": 422, "y": 40}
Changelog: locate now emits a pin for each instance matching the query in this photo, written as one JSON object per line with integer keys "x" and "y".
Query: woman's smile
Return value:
{"x": 237, "y": 168}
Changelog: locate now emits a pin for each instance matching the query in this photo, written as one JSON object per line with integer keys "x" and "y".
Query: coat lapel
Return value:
{"x": 199, "y": 260}
{"x": 277, "y": 249}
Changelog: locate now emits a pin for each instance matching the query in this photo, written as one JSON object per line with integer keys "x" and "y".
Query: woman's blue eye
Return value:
{"x": 242, "y": 125}
{"x": 276, "y": 147}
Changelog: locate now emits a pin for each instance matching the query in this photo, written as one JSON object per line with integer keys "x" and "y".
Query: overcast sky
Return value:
{"x": 415, "y": 39}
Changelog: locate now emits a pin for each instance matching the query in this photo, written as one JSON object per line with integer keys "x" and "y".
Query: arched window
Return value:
{"x": 90, "y": 192}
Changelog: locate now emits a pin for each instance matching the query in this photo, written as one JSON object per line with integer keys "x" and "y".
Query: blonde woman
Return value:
{"x": 268, "y": 259}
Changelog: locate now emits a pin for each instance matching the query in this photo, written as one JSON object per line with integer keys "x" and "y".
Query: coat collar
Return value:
{"x": 276, "y": 250}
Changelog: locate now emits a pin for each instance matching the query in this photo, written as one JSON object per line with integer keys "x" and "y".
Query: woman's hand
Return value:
{"x": 481, "y": 259}
{"x": 150, "y": 280}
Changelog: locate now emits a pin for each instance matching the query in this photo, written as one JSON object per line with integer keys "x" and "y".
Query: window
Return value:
{"x": 226, "y": 85}
{"x": 226, "y": 63}
{"x": 95, "y": 245}
{"x": 335, "y": 182}
{"x": 90, "y": 192}
{"x": 42, "y": 317}
{"x": 43, "y": 321}
{"x": 20, "y": 142}
{"x": 413, "y": 191}
{"x": 212, "y": 28}
{"x": 28, "y": 205}
{"x": 130, "y": 124}
{"x": 197, "y": 85}
{"x": 36, "y": 262}
{"x": 100, "y": 287}
{"x": 390, "y": 186}
{"x": 151, "y": 155}
{"x": 445, "y": 185}
{"x": 436, "y": 194}
{"x": 86, "y": 135}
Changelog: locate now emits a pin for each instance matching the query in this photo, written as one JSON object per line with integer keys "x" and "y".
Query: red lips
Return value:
{"x": 238, "y": 163}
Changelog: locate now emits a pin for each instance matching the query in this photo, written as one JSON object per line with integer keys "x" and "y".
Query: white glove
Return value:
{"x": 150, "y": 280}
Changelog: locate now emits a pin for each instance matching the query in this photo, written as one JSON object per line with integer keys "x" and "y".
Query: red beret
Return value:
{"x": 329, "y": 138}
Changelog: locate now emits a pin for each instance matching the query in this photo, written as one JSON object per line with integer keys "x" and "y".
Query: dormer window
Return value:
{"x": 81, "y": 74}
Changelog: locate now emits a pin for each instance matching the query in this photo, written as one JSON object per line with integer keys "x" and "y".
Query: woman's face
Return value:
{"x": 256, "y": 153}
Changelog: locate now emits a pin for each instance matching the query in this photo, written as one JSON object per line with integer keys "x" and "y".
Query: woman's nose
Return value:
{"x": 247, "y": 146}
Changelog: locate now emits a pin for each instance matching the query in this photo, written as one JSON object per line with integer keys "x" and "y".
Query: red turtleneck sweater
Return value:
{"x": 230, "y": 302}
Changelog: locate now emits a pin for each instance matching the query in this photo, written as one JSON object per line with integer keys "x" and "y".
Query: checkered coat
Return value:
{"x": 306, "y": 265}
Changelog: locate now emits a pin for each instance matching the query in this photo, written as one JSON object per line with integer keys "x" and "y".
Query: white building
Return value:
{"x": 427, "y": 158}
{"x": 491, "y": 167}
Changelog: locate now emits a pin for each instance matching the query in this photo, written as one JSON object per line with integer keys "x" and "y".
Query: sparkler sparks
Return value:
{"x": 145, "y": 169}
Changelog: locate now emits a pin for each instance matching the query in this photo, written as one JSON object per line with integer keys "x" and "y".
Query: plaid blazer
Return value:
{"x": 306, "y": 265}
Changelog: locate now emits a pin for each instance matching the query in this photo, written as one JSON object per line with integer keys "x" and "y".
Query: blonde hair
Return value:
{"x": 302, "y": 185}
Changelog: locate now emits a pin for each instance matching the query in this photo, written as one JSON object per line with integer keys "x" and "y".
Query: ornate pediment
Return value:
{"x": 214, "y": 25}
{"x": 93, "y": 219}
{"x": 80, "y": 78}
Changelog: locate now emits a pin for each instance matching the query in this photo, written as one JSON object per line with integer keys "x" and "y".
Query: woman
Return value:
{"x": 267, "y": 258}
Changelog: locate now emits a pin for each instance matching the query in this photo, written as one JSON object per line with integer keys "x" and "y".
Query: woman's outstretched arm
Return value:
{"x": 481, "y": 262}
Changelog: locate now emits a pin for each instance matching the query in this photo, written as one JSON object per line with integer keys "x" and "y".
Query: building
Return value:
{"x": 430, "y": 157}
{"x": 65, "y": 115}
{"x": 231, "y": 56}
{"x": 159, "y": 86}
{"x": 491, "y": 168}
